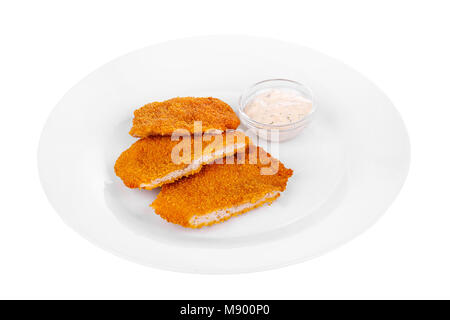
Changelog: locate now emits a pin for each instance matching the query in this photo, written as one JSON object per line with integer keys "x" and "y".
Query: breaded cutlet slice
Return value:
{"x": 221, "y": 191}
{"x": 162, "y": 118}
{"x": 156, "y": 160}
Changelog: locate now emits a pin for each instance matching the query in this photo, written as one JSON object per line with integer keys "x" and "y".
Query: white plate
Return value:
{"x": 348, "y": 165}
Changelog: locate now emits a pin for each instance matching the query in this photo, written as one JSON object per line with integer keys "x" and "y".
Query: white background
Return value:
{"x": 403, "y": 46}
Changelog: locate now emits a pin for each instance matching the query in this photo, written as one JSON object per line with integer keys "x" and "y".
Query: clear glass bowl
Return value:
{"x": 270, "y": 131}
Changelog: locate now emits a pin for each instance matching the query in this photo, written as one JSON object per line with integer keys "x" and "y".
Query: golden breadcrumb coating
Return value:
{"x": 221, "y": 187}
{"x": 149, "y": 162}
{"x": 162, "y": 118}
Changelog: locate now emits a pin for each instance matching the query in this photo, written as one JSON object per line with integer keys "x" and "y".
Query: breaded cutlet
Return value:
{"x": 162, "y": 118}
{"x": 220, "y": 191}
{"x": 156, "y": 160}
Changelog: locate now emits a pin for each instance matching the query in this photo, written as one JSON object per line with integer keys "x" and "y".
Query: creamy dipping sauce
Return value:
{"x": 278, "y": 107}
